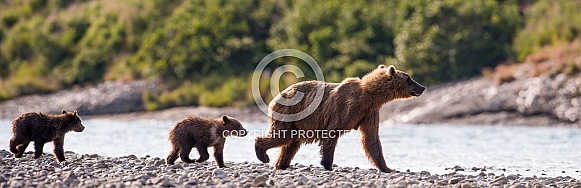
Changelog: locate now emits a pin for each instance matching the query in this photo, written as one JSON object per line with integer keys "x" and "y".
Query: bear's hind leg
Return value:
{"x": 286, "y": 154}
{"x": 173, "y": 155}
{"x": 262, "y": 144}
{"x": 260, "y": 152}
{"x": 185, "y": 153}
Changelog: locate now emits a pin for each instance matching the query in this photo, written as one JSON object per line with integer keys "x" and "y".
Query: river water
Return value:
{"x": 540, "y": 151}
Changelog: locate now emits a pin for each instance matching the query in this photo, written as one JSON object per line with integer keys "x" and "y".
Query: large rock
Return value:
{"x": 532, "y": 101}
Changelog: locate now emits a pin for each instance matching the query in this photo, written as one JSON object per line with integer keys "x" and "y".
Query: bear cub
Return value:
{"x": 42, "y": 128}
{"x": 202, "y": 133}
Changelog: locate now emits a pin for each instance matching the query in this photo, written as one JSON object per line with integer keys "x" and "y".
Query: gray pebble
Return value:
{"x": 56, "y": 165}
{"x": 517, "y": 186}
{"x": 176, "y": 166}
{"x": 458, "y": 168}
{"x": 16, "y": 183}
{"x": 399, "y": 179}
{"x": 299, "y": 183}
{"x": 260, "y": 181}
{"x": 219, "y": 173}
{"x": 133, "y": 157}
{"x": 466, "y": 185}
{"x": 158, "y": 163}
{"x": 433, "y": 177}
{"x": 101, "y": 165}
{"x": 192, "y": 182}
{"x": 270, "y": 182}
{"x": 453, "y": 181}
{"x": 512, "y": 177}
{"x": 500, "y": 180}
{"x": 302, "y": 178}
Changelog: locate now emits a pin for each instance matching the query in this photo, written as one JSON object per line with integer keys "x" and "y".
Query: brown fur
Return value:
{"x": 351, "y": 104}
{"x": 202, "y": 133}
{"x": 42, "y": 128}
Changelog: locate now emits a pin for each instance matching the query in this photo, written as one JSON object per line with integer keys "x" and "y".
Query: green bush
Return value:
{"x": 27, "y": 80}
{"x": 187, "y": 94}
{"x": 211, "y": 93}
{"x": 549, "y": 22}
{"x": 72, "y": 45}
{"x": 230, "y": 92}
{"x": 200, "y": 38}
{"x": 337, "y": 34}
{"x": 455, "y": 39}
{"x": 9, "y": 20}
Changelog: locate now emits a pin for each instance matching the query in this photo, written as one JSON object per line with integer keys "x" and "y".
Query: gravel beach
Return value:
{"x": 92, "y": 170}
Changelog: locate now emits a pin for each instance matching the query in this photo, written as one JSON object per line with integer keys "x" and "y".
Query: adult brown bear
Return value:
{"x": 351, "y": 104}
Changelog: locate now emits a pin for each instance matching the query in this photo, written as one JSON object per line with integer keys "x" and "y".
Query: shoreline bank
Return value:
{"x": 542, "y": 101}
{"x": 94, "y": 170}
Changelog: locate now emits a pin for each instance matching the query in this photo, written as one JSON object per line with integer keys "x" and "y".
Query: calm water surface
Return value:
{"x": 519, "y": 150}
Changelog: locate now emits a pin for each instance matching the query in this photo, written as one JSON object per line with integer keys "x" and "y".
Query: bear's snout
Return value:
{"x": 236, "y": 132}
{"x": 242, "y": 133}
{"x": 80, "y": 128}
{"x": 418, "y": 90}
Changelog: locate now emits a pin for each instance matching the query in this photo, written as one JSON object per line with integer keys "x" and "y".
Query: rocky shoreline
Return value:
{"x": 105, "y": 98}
{"x": 540, "y": 101}
{"x": 92, "y": 170}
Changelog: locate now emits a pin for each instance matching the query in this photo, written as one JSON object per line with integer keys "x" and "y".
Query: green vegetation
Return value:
{"x": 204, "y": 52}
{"x": 346, "y": 39}
{"x": 455, "y": 39}
{"x": 549, "y": 23}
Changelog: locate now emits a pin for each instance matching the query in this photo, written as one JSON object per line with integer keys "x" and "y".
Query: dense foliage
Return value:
{"x": 346, "y": 39}
{"x": 204, "y": 52}
{"x": 548, "y": 23}
{"x": 455, "y": 39}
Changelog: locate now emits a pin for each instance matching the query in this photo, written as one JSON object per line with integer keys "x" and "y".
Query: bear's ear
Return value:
{"x": 64, "y": 111}
{"x": 75, "y": 112}
{"x": 381, "y": 67}
{"x": 391, "y": 71}
{"x": 225, "y": 119}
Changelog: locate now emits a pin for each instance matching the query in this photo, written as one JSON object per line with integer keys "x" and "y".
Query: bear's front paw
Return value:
{"x": 388, "y": 170}
{"x": 327, "y": 166}
{"x": 264, "y": 159}
{"x": 281, "y": 166}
